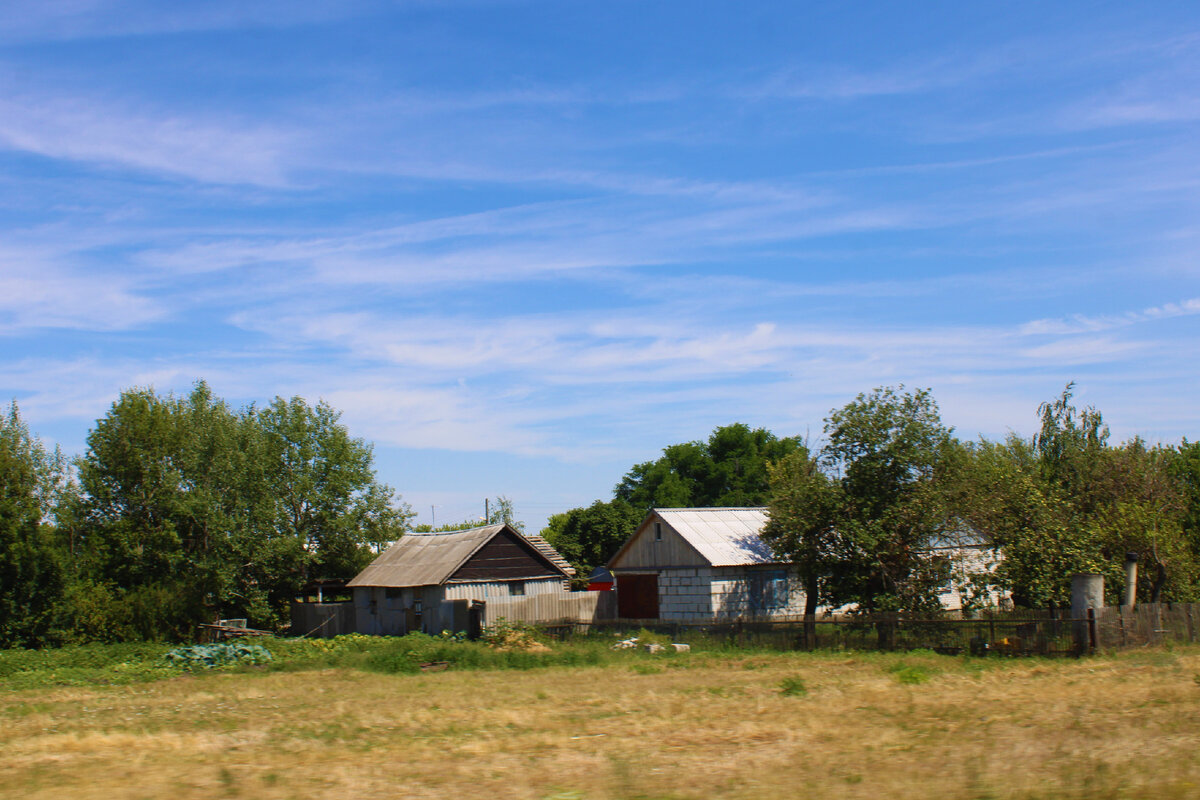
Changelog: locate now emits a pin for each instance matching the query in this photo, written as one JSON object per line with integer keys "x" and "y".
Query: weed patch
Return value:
{"x": 793, "y": 686}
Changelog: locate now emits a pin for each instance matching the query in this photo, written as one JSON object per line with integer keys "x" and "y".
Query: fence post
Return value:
{"x": 1093, "y": 633}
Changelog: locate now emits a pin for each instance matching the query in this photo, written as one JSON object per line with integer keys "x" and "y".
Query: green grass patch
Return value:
{"x": 793, "y": 686}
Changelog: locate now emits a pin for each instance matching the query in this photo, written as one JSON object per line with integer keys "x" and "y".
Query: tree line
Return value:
{"x": 180, "y": 511}
{"x": 867, "y": 517}
{"x": 183, "y": 509}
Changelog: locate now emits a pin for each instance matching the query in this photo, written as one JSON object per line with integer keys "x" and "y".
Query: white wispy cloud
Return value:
{"x": 57, "y": 20}
{"x": 160, "y": 141}
{"x": 1094, "y": 324}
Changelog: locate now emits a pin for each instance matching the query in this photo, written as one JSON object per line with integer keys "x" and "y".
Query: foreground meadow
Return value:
{"x": 719, "y": 724}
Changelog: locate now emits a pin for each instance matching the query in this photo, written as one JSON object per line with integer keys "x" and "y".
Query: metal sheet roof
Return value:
{"x": 726, "y": 537}
{"x": 430, "y": 558}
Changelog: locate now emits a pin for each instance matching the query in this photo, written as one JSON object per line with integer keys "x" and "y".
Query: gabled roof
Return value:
{"x": 724, "y": 537}
{"x": 430, "y": 558}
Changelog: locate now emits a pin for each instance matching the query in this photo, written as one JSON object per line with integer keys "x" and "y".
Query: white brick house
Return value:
{"x": 703, "y": 564}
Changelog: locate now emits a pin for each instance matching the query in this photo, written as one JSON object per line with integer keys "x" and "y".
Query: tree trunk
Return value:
{"x": 1160, "y": 578}
{"x": 811, "y": 587}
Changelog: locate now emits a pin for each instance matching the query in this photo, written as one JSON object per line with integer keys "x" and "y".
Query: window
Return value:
{"x": 768, "y": 591}
{"x": 658, "y": 531}
{"x": 516, "y": 588}
{"x": 392, "y": 593}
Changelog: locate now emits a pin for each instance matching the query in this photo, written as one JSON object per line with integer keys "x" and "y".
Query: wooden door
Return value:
{"x": 637, "y": 596}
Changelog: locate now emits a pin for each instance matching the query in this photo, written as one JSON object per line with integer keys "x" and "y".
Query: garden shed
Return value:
{"x": 426, "y": 581}
{"x": 703, "y": 564}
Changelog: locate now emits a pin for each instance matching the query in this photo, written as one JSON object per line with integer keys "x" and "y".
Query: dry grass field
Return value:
{"x": 708, "y": 725}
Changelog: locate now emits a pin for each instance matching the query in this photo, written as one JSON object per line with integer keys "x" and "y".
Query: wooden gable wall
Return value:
{"x": 506, "y": 557}
{"x": 643, "y": 552}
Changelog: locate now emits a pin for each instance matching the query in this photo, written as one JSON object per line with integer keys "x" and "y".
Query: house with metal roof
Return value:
{"x": 426, "y": 581}
{"x": 703, "y": 564}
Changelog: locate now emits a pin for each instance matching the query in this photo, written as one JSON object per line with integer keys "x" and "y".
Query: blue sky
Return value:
{"x": 525, "y": 245}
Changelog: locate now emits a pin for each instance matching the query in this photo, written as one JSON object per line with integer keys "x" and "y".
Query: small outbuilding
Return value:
{"x": 426, "y": 581}
{"x": 703, "y": 564}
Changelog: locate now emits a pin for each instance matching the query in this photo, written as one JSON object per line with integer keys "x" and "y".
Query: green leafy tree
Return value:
{"x": 32, "y": 570}
{"x": 802, "y": 527}
{"x": 193, "y": 510}
{"x": 1001, "y": 492}
{"x": 324, "y": 489}
{"x": 730, "y": 469}
{"x": 891, "y": 455}
{"x": 1066, "y": 501}
{"x": 1184, "y": 465}
{"x": 589, "y": 537}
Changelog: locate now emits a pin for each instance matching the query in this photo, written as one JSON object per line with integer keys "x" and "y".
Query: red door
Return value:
{"x": 637, "y": 596}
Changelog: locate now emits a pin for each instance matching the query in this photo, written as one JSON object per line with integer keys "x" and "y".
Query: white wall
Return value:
{"x": 705, "y": 593}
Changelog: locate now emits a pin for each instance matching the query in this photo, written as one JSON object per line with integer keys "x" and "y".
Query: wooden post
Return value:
{"x": 1191, "y": 625}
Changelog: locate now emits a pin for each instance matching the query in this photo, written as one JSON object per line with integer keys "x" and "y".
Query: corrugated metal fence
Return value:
{"x": 322, "y": 620}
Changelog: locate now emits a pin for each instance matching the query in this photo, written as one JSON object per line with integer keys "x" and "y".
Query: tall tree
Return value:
{"x": 192, "y": 509}
{"x": 324, "y": 489}
{"x": 891, "y": 454}
{"x": 32, "y": 572}
{"x": 1066, "y": 501}
{"x": 802, "y": 527}
{"x": 588, "y": 537}
{"x": 729, "y": 469}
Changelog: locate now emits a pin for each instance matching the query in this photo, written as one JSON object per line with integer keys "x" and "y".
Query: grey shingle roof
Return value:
{"x": 430, "y": 558}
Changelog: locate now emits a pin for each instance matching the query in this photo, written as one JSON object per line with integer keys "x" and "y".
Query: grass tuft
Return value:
{"x": 793, "y": 686}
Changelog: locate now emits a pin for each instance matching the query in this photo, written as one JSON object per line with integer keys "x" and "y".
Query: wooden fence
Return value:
{"x": 556, "y": 608}
{"x": 1118, "y": 628}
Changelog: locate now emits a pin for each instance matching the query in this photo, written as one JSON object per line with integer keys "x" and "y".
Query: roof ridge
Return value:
{"x": 714, "y": 508}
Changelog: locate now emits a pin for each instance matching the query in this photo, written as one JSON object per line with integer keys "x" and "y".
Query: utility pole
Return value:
{"x": 487, "y": 514}
{"x": 433, "y": 516}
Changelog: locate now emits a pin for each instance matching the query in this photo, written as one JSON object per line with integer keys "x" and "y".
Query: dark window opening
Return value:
{"x": 768, "y": 591}
{"x": 658, "y": 531}
{"x": 516, "y": 588}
